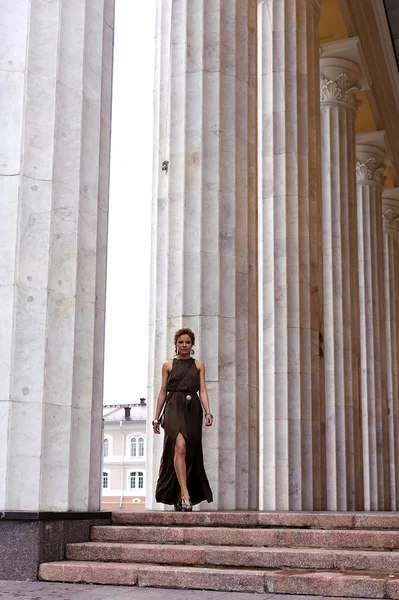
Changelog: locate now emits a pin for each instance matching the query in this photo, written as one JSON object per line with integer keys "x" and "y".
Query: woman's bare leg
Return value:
{"x": 180, "y": 465}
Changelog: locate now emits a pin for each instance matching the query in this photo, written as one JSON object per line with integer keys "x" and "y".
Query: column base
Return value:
{"x": 28, "y": 538}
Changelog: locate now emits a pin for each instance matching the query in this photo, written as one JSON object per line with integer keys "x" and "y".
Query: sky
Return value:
{"x": 128, "y": 271}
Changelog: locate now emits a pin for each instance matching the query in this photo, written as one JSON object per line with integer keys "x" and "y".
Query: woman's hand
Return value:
{"x": 208, "y": 419}
{"x": 155, "y": 427}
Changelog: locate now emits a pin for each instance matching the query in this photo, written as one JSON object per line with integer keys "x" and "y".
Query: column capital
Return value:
{"x": 339, "y": 90}
{"x": 345, "y": 56}
{"x": 390, "y": 210}
{"x": 341, "y": 72}
{"x": 370, "y": 171}
{"x": 372, "y": 156}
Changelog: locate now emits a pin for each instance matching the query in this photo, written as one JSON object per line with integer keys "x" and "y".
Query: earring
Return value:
{"x": 176, "y": 352}
{"x": 192, "y": 351}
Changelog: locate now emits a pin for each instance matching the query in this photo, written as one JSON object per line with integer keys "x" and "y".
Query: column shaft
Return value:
{"x": 290, "y": 226}
{"x": 341, "y": 285}
{"x": 204, "y": 263}
{"x": 391, "y": 285}
{"x": 370, "y": 180}
{"x": 55, "y": 75}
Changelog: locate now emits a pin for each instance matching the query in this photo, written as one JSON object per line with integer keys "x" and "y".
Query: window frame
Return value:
{"x": 138, "y": 474}
{"x": 133, "y": 443}
{"x": 106, "y": 445}
{"x": 140, "y": 442}
{"x": 106, "y": 473}
{"x": 134, "y": 438}
{"x": 108, "y": 437}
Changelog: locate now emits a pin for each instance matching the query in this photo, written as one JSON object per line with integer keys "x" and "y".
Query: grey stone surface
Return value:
{"x": 56, "y": 534}
{"x": 25, "y": 544}
{"x": 38, "y": 590}
{"x": 19, "y": 549}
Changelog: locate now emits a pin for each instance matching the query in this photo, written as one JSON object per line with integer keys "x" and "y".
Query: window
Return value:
{"x": 106, "y": 448}
{"x": 141, "y": 446}
{"x": 136, "y": 446}
{"x": 132, "y": 481}
{"x": 133, "y": 447}
{"x": 136, "y": 480}
{"x": 105, "y": 480}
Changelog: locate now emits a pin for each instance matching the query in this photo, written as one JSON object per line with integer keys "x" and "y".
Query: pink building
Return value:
{"x": 124, "y": 456}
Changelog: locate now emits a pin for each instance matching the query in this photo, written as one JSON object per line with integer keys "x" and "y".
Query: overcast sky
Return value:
{"x": 126, "y": 333}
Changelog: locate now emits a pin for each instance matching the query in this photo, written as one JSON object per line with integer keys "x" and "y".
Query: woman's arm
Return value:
{"x": 204, "y": 393}
{"x": 162, "y": 394}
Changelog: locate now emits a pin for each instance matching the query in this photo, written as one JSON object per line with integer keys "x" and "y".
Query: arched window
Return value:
{"x": 136, "y": 446}
{"x": 136, "y": 480}
{"x": 105, "y": 480}
{"x": 106, "y": 447}
{"x": 141, "y": 446}
{"x": 133, "y": 447}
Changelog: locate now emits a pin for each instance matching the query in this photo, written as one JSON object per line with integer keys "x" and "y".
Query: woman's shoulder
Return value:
{"x": 167, "y": 365}
{"x": 199, "y": 363}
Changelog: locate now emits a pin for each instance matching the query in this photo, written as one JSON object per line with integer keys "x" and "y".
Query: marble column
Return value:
{"x": 291, "y": 255}
{"x": 55, "y": 111}
{"x": 338, "y": 88}
{"x": 370, "y": 166}
{"x": 204, "y": 240}
{"x": 390, "y": 211}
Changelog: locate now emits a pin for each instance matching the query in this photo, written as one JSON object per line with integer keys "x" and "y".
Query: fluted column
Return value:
{"x": 338, "y": 88}
{"x": 55, "y": 113}
{"x": 390, "y": 211}
{"x": 370, "y": 168}
{"x": 204, "y": 264}
{"x": 290, "y": 219}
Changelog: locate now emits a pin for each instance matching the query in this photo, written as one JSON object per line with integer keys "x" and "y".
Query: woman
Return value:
{"x": 182, "y": 479}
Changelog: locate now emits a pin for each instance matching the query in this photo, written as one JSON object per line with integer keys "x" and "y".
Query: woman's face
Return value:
{"x": 184, "y": 344}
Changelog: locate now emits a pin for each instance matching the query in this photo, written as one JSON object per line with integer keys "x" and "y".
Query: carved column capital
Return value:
{"x": 391, "y": 220}
{"x": 339, "y": 89}
{"x": 370, "y": 170}
{"x": 372, "y": 155}
{"x": 390, "y": 210}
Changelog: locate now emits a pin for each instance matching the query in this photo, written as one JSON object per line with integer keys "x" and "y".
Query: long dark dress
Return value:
{"x": 185, "y": 417}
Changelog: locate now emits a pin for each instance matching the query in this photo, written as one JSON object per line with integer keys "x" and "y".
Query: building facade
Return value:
{"x": 275, "y": 212}
{"x": 124, "y": 471}
{"x": 274, "y": 224}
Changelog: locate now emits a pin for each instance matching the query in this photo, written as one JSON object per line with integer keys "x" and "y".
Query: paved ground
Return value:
{"x": 37, "y": 590}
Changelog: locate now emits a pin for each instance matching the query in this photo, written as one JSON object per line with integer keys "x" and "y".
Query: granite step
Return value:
{"x": 242, "y": 557}
{"x": 297, "y": 520}
{"x": 287, "y": 581}
{"x": 229, "y": 536}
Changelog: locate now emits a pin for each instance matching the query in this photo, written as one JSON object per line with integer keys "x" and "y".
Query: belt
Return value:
{"x": 183, "y": 392}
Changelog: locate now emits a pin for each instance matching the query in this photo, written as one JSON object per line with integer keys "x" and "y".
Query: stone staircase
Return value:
{"x": 323, "y": 554}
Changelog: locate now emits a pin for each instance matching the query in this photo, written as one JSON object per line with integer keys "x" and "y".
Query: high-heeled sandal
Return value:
{"x": 178, "y": 506}
{"x": 186, "y": 505}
